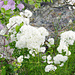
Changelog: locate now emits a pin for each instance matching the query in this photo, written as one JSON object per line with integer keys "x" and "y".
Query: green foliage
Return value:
{"x": 36, "y": 3}
{"x": 2, "y": 10}
{"x": 5, "y": 2}
{"x": 26, "y": 1}
{"x": 45, "y": 0}
{"x": 18, "y": 2}
{"x": 18, "y": 27}
{"x": 3, "y": 71}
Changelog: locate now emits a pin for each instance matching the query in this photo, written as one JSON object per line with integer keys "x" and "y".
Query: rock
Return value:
{"x": 53, "y": 18}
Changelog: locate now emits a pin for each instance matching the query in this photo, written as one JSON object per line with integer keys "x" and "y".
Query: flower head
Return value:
{"x": 10, "y": 5}
{"x": 28, "y": 13}
{"x": 20, "y": 6}
{"x": 20, "y": 59}
{"x": 50, "y": 68}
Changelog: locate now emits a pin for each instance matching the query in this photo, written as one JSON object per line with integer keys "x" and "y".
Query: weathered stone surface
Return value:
{"x": 53, "y": 18}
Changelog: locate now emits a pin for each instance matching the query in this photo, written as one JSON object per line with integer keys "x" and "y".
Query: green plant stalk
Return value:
{"x": 41, "y": 68}
{"x": 45, "y": 0}
{"x": 26, "y": 1}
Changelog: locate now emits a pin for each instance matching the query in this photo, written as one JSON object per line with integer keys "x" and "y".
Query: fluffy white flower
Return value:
{"x": 27, "y": 57}
{"x": 21, "y": 13}
{"x": 20, "y": 59}
{"x": 49, "y": 62}
{"x": 42, "y": 49}
{"x": 73, "y": 7}
{"x": 27, "y": 13}
{"x": 44, "y": 57}
{"x": 71, "y": 2}
{"x": 70, "y": 21}
{"x": 61, "y": 65}
{"x": 13, "y": 38}
{"x": 68, "y": 37}
{"x": 51, "y": 41}
{"x": 60, "y": 58}
{"x": 31, "y": 51}
{"x": 26, "y": 38}
{"x": 49, "y": 57}
{"x": 68, "y": 53}
{"x": 16, "y": 20}
{"x": 3, "y": 31}
{"x": 33, "y": 55}
{"x": 70, "y": 8}
{"x": 62, "y": 46}
{"x": 43, "y": 31}
{"x": 26, "y": 21}
{"x": 50, "y": 68}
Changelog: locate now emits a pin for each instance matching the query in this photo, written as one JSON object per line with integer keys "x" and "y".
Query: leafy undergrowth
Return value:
{"x": 34, "y": 68}
{"x": 38, "y": 69}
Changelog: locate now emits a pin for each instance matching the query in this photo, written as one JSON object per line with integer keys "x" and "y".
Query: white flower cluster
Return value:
{"x": 16, "y": 20}
{"x": 31, "y": 37}
{"x": 50, "y": 68}
{"x": 48, "y": 59}
{"x": 72, "y": 2}
{"x": 3, "y": 31}
{"x": 67, "y": 38}
{"x": 27, "y": 57}
{"x": 60, "y": 58}
{"x": 26, "y": 13}
{"x": 50, "y": 42}
{"x": 20, "y": 59}
{"x": 57, "y": 60}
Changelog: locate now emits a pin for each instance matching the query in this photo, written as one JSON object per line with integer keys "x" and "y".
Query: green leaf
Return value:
{"x": 5, "y": 2}
{"x": 6, "y": 35}
{"x": 6, "y": 45}
{"x": 3, "y": 71}
{"x": 31, "y": 2}
{"x": 51, "y": 1}
{"x": 39, "y": 0}
{"x": 26, "y": 1}
{"x": 2, "y": 10}
{"x": 37, "y": 5}
{"x": 21, "y": 24}
{"x": 45, "y": 0}
{"x": 2, "y": 21}
{"x": 18, "y": 1}
{"x": 7, "y": 16}
{"x": 74, "y": 21}
{"x": 8, "y": 12}
{"x": 1, "y": 16}
{"x": 17, "y": 28}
